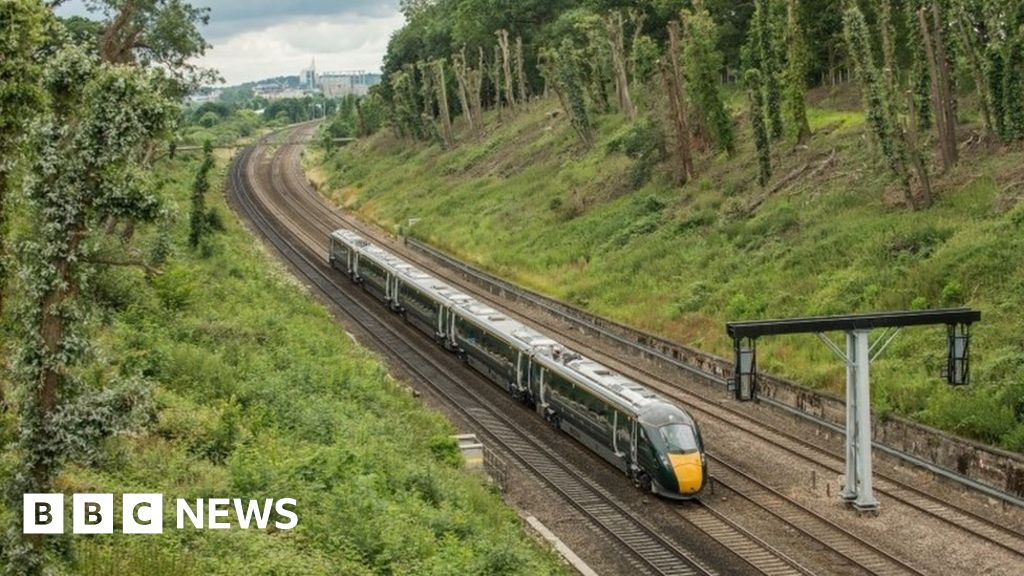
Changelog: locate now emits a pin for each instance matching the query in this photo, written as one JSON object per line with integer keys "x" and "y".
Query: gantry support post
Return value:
{"x": 850, "y": 485}
{"x": 865, "y": 500}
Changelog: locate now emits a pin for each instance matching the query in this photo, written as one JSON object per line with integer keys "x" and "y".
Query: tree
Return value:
{"x": 156, "y": 33}
{"x": 616, "y": 42}
{"x": 23, "y": 26}
{"x": 506, "y": 66}
{"x": 563, "y": 68}
{"x": 897, "y": 148}
{"x": 88, "y": 146}
{"x": 703, "y": 63}
{"x": 942, "y": 82}
{"x": 198, "y": 217}
{"x": 672, "y": 76}
{"x": 765, "y": 60}
{"x": 755, "y": 94}
{"x": 796, "y": 74}
{"x": 441, "y": 84}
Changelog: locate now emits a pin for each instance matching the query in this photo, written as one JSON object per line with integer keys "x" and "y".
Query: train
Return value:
{"x": 654, "y": 442}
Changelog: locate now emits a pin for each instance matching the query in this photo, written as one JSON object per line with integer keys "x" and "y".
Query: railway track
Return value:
{"x": 309, "y": 210}
{"x": 968, "y": 521}
{"x": 653, "y": 553}
{"x": 714, "y": 523}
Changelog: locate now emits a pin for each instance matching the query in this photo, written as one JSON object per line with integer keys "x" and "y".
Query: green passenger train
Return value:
{"x": 653, "y": 441}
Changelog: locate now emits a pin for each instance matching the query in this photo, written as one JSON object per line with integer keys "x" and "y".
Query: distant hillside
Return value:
{"x": 604, "y": 228}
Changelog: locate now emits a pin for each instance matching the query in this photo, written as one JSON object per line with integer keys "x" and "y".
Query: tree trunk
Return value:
{"x": 978, "y": 69}
{"x": 673, "y": 75}
{"x": 614, "y": 25}
{"x": 506, "y": 65}
{"x": 946, "y": 90}
{"x": 495, "y": 75}
{"x": 920, "y": 169}
{"x": 944, "y": 116}
{"x": 461, "y": 76}
{"x": 521, "y": 71}
{"x": 442, "y": 102}
{"x": 637, "y": 19}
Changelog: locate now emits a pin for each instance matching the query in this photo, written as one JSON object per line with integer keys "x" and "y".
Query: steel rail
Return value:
{"x": 634, "y": 533}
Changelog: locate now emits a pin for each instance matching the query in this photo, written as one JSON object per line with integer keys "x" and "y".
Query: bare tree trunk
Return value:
{"x": 614, "y": 25}
{"x": 980, "y": 83}
{"x": 673, "y": 77}
{"x": 943, "y": 107}
{"x": 442, "y": 103}
{"x": 4, "y": 175}
{"x": 495, "y": 75}
{"x": 476, "y": 86}
{"x": 946, "y": 89}
{"x": 461, "y": 75}
{"x": 920, "y": 169}
{"x": 521, "y": 71}
{"x": 506, "y": 64}
{"x": 637, "y": 18}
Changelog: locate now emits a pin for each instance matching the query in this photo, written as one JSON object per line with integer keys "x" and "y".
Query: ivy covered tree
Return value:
{"x": 755, "y": 93}
{"x": 23, "y": 26}
{"x": 703, "y": 63}
{"x": 563, "y": 71}
{"x": 897, "y": 144}
{"x": 796, "y": 73}
{"x": 86, "y": 169}
{"x": 198, "y": 217}
{"x": 764, "y": 51}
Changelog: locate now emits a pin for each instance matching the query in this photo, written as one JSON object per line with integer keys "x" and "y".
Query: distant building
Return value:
{"x": 307, "y": 78}
{"x": 339, "y": 84}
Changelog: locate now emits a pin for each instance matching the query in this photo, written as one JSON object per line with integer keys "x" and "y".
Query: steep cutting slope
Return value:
{"x": 604, "y": 229}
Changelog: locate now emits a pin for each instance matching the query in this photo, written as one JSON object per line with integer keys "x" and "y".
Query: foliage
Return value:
{"x": 85, "y": 171}
{"x": 156, "y": 33}
{"x": 198, "y": 216}
{"x": 795, "y": 79}
{"x": 255, "y": 391}
{"x": 526, "y": 203}
{"x": 23, "y": 26}
{"x": 755, "y": 91}
{"x": 877, "y": 99}
{"x": 702, "y": 62}
{"x": 644, "y": 142}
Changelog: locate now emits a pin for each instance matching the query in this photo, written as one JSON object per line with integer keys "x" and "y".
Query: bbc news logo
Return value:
{"x": 144, "y": 513}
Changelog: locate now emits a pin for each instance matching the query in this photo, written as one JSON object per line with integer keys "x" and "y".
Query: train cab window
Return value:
{"x": 679, "y": 438}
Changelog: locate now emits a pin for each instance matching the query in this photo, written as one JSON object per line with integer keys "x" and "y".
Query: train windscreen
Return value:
{"x": 679, "y": 438}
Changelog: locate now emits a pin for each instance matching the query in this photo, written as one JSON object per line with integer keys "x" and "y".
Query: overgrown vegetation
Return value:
{"x": 527, "y": 204}
{"x": 248, "y": 389}
{"x": 594, "y": 211}
{"x": 133, "y": 363}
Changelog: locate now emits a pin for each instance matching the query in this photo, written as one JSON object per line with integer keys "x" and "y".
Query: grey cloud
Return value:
{"x": 230, "y": 17}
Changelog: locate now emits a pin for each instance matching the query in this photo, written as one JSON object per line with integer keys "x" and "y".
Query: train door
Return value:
{"x": 396, "y": 294}
{"x": 538, "y": 382}
{"x": 353, "y": 264}
{"x": 632, "y": 443}
{"x": 622, "y": 439}
{"x": 446, "y": 328}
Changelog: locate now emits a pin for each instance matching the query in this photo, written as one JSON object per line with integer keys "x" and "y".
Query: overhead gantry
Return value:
{"x": 858, "y": 357}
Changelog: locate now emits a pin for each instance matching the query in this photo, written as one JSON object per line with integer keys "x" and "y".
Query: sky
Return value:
{"x": 257, "y": 39}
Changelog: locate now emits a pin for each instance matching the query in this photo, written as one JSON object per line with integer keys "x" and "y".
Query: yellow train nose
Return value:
{"x": 688, "y": 470}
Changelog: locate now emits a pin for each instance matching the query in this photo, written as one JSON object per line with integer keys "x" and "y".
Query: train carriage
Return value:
{"x": 653, "y": 441}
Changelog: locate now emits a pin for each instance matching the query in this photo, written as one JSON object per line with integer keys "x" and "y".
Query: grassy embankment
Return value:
{"x": 257, "y": 392}
{"x": 530, "y": 204}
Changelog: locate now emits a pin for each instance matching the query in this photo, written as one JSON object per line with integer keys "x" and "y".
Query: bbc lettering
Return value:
{"x": 144, "y": 513}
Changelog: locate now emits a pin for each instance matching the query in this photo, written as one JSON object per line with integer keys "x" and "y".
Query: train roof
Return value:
{"x": 627, "y": 394}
